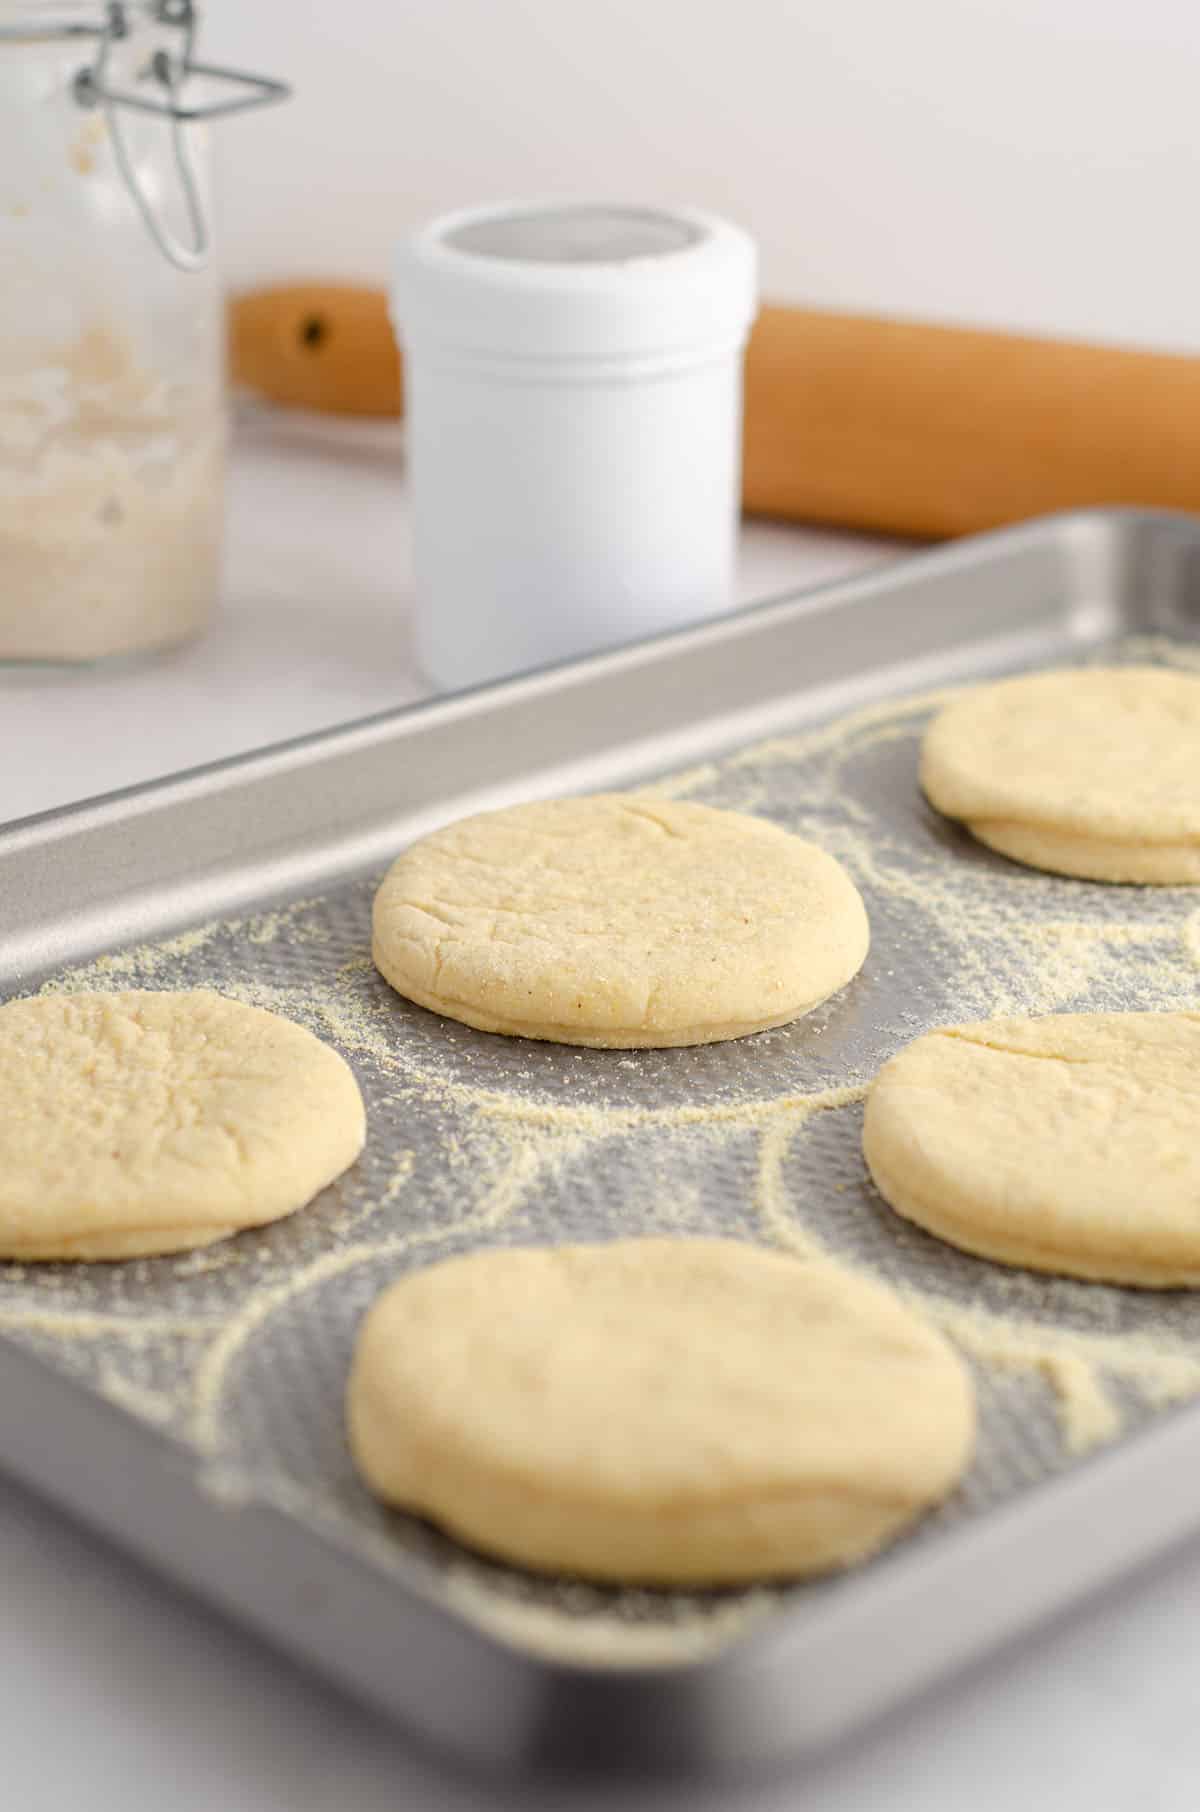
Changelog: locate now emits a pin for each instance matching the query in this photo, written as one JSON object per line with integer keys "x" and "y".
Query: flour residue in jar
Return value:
{"x": 110, "y": 500}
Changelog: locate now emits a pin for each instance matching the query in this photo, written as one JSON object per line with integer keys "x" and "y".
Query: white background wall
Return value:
{"x": 1031, "y": 163}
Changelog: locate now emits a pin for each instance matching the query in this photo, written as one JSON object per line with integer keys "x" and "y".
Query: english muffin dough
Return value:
{"x": 1094, "y": 772}
{"x": 664, "y": 1411}
{"x": 618, "y": 921}
{"x": 1069, "y": 1143}
{"x": 149, "y": 1122}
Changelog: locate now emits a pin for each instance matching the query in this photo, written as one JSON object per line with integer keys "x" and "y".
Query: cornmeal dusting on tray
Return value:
{"x": 476, "y": 1140}
{"x": 140, "y": 1400}
{"x": 884, "y": 721}
{"x": 1074, "y": 1364}
{"x": 592, "y": 1636}
{"x": 142, "y": 964}
{"x": 1159, "y": 650}
{"x": 518, "y": 1175}
{"x": 683, "y": 784}
{"x": 131, "y": 1330}
{"x": 147, "y": 962}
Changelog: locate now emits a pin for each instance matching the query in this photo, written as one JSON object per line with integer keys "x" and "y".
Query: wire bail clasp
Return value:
{"x": 168, "y": 71}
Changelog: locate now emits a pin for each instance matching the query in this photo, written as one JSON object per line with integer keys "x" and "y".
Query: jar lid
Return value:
{"x": 551, "y": 283}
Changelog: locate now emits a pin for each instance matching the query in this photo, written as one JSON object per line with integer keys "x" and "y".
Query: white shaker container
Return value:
{"x": 573, "y": 381}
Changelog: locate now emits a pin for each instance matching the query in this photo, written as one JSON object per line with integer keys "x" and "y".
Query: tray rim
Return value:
{"x": 729, "y": 625}
{"x": 82, "y": 831}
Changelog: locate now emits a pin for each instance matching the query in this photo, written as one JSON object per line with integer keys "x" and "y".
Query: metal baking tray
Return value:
{"x": 190, "y": 1407}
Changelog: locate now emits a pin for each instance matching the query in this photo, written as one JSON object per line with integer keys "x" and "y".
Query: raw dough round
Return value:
{"x": 1094, "y": 772}
{"x": 153, "y": 1121}
{"x": 618, "y": 921}
{"x": 662, "y": 1411}
{"x": 1069, "y": 1143}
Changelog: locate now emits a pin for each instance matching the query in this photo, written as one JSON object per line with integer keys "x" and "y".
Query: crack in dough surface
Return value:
{"x": 151, "y": 1121}
{"x": 617, "y": 922}
{"x": 1069, "y": 1143}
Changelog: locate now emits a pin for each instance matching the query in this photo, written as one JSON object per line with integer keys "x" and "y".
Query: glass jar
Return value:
{"x": 112, "y": 416}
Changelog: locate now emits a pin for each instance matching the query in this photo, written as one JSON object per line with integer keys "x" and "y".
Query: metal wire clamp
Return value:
{"x": 168, "y": 71}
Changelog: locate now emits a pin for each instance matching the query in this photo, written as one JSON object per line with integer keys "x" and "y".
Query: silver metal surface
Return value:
{"x": 575, "y": 235}
{"x": 192, "y": 1406}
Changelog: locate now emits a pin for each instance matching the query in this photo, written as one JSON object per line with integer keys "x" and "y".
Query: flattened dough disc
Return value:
{"x": 1069, "y": 1143}
{"x": 152, "y": 1121}
{"x": 657, "y": 1410}
{"x": 1093, "y": 772}
{"x": 618, "y": 921}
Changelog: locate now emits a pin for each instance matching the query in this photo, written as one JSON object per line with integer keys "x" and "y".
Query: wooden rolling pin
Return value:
{"x": 895, "y": 426}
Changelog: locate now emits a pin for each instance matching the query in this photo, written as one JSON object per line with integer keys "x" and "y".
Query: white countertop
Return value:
{"x": 116, "y": 1692}
{"x": 314, "y": 632}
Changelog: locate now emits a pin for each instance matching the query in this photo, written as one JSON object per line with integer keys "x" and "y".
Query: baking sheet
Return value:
{"x": 238, "y": 1354}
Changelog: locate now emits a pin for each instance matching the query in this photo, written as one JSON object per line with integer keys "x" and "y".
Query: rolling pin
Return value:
{"x": 899, "y": 427}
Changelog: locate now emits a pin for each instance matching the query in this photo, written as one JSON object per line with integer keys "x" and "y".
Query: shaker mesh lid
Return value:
{"x": 548, "y": 282}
